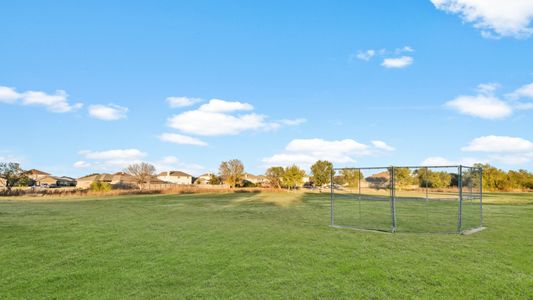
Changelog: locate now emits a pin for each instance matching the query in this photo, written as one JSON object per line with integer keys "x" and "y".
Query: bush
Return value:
{"x": 99, "y": 186}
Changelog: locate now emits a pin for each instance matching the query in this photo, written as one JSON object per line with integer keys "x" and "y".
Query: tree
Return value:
{"x": 321, "y": 171}
{"x": 214, "y": 179}
{"x": 350, "y": 177}
{"x": 402, "y": 177}
{"x": 143, "y": 172}
{"x": 293, "y": 176}
{"x": 432, "y": 179}
{"x": 275, "y": 176}
{"x": 232, "y": 172}
{"x": 494, "y": 179}
{"x": 12, "y": 174}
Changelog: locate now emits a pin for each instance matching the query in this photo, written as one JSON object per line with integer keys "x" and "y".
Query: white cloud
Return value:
{"x": 488, "y": 106}
{"x": 366, "y": 55}
{"x": 113, "y": 154}
{"x": 81, "y": 164}
{"x": 222, "y": 106}
{"x": 306, "y": 151}
{"x": 109, "y": 112}
{"x": 57, "y": 102}
{"x": 398, "y": 62}
{"x": 523, "y": 91}
{"x": 8, "y": 94}
{"x": 182, "y": 101}
{"x": 482, "y": 106}
{"x": 292, "y": 122}
{"x": 437, "y": 161}
{"x": 181, "y": 139}
{"x": 219, "y": 118}
{"x": 503, "y": 149}
{"x": 495, "y": 18}
{"x": 499, "y": 144}
{"x": 382, "y": 145}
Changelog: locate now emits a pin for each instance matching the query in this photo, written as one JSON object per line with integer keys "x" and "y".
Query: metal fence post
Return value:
{"x": 481, "y": 196}
{"x": 393, "y": 196}
{"x": 331, "y": 198}
{"x": 460, "y": 186}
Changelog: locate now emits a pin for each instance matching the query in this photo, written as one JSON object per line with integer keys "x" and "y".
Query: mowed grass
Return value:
{"x": 246, "y": 245}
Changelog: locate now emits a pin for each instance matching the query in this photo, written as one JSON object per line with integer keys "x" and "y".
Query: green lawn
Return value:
{"x": 251, "y": 246}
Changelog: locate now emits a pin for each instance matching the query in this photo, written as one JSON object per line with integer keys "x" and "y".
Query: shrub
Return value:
{"x": 99, "y": 186}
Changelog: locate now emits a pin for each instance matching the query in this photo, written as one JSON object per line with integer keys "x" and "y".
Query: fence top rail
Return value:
{"x": 409, "y": 167}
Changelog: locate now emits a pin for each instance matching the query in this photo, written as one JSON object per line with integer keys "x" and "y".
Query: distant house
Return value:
{"x": 47, "y": 180}
{"x": 204, "y": 178}
{"x": 378, "y": 180}
{"x": 123, "y": 180}
{"x": 177, "y": 177}
{"x": 85, "y": 182}
{"x": 66, "y": 181}
{"x": 255, "y": 179}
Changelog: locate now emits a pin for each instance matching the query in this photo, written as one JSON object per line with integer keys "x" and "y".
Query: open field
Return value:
{"x": 251, "y": 245}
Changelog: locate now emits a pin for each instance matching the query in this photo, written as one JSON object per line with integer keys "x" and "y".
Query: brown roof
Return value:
{"x": 97, "y": 177}
{"x": 384, "y": 174}
{"x": 174, "y": 173}
{"x": 36, "y": 172}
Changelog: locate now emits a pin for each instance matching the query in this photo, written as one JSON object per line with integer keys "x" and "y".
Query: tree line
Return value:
{"x": 232, "y": 173}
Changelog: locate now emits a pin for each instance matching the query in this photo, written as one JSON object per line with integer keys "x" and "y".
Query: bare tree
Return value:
{"x": 232, "y": 172}
{"x": 143, "y": 172}
{"x": 12, "y": 174}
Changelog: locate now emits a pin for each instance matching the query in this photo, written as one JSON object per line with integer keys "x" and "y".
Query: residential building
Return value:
{"x": 177, "y": 177}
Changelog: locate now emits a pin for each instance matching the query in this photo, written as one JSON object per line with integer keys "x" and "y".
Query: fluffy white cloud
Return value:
{"x": 495, "y": 18}
{"x": 222, "y": 106}
{"x": 109, "y": 112}
{"x": 113, "y": 154}
{"x": 307, "y": 151}
{"x": 499, "y": 144}
{"x": 382, "y": 145}
{"x": 181, "y": 139}
{"x": 483, "y": 106}
{"x": 397, "y": 62}
{"x": 8, "y": 94}
{"x": 503, "y": 149}
{"x": 182, "y": 101}
{"x": 489, "y": 106}
{"x": 219, "y": 118}
{"x": 525, "y": 91}
{"x": 365, "y": 55}
{"x": 57, "y": 102}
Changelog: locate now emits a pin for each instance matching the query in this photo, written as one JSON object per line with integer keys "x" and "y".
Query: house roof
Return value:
{"x": 97, "y": 177}
{"x": 174, "y": 173}
{"x": 66, "y": 178}
{"x": 384, "y": 175}
{"x": 36, "y": 172}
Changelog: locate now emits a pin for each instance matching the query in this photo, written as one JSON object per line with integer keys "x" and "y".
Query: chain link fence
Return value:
{"x": 437, "y": 199}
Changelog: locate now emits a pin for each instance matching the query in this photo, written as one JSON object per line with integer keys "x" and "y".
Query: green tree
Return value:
{"x": 350, "y": 177}
{"x": 403, "y": 177}
{"x": 12, "y": 175}
{"x": 275, "y": 176}
{"x": 321, "y": 172}
{"x": 293, "y": 177}
{"x": 495, "y": 179}
{"x": 214, "y": 179}
{"x": 433, "y": 179}
{"x": 232, "y": 172}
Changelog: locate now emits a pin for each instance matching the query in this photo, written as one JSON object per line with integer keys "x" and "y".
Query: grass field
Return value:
{"x": 246, "y": 245}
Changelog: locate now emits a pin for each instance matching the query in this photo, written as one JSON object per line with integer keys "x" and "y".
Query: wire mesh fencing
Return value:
{"x": 440, "y": 199}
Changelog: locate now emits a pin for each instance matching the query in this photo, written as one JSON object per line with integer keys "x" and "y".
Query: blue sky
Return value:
{"x": 92, "y": 86}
